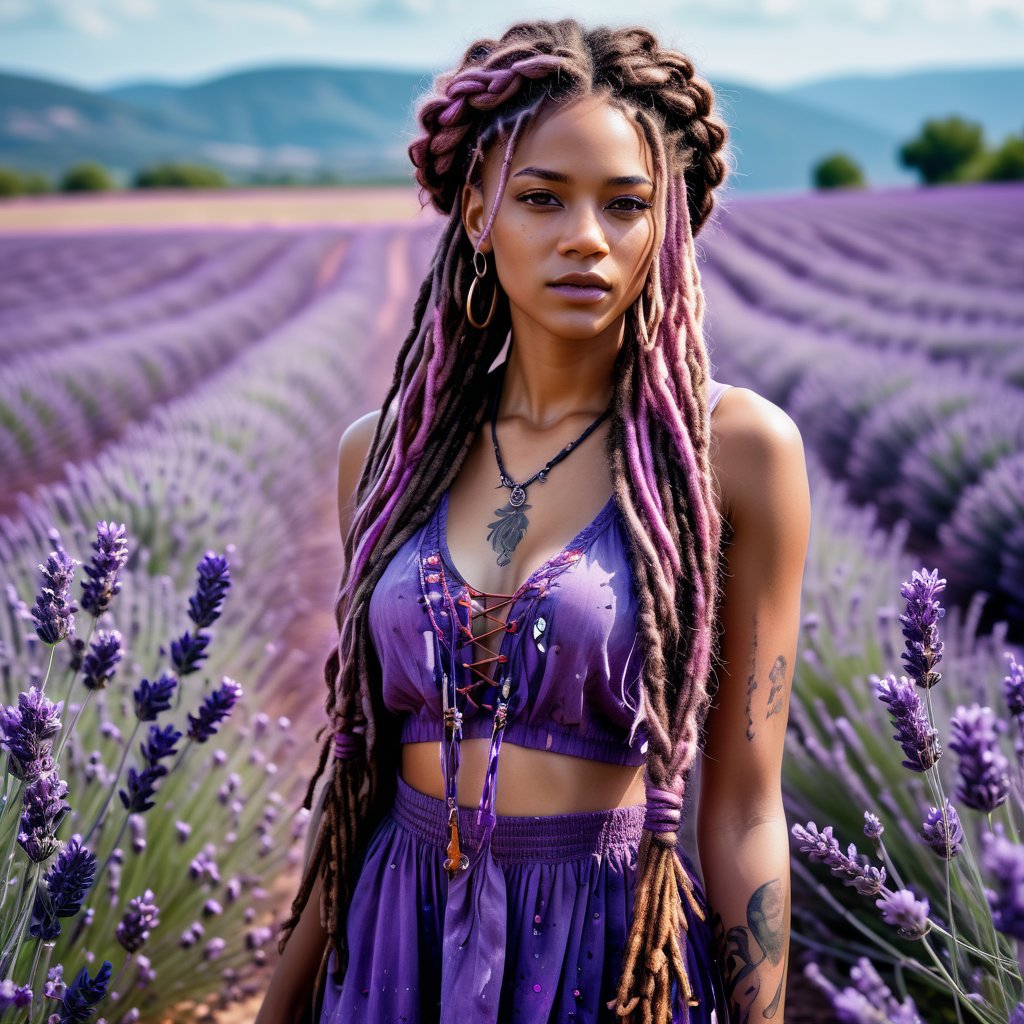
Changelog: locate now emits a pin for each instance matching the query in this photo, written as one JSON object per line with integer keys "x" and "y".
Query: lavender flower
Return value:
{"x": 1013, "y": 691}
{"x": 920, "y": 627}
{"x": 1017, "y": 1014}
{"x": 14, "y": 995}
{"x": 99, "y": 664}
{"x": 111, "y": 547}
{"x": 82, "y": 995}
{"x": 873, "y": 827}
{"x": 160, "y": 744}
{"x": 28, "y": 728}
{"x": 1003, "y": 859}
{"x": 984, "y": 782}
{"x": 55, "y": 987}
{"x": 53, "y": 612}
{"x": 214, "y": 709}
{"x": 43, "y": 810}
{"x": 919, "y": 740}
{"x": 152, "y": 698}
{"x": 822, "y": 846}
{"x": 141, "y": 788}
{"x": 188, "y": 652}
{"x": 868, "y": 1001}
{"x": 905, "y": 912}
{"x": 138, "y": 919}
{"x": 214, "y": 581}
{"x": 66, "y": 883}
{"x": 944, "y": 837}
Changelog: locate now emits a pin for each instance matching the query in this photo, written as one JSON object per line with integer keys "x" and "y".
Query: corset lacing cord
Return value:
{"x": 467, "y": 631}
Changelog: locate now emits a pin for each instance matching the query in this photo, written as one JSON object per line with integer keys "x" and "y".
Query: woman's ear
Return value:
{"x": 473, "y": 215}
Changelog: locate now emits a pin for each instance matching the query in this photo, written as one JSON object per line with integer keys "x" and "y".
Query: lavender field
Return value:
{"x": 192, "y": 384}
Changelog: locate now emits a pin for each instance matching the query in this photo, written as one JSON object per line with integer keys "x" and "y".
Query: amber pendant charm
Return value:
{"x": 456, "y": 860}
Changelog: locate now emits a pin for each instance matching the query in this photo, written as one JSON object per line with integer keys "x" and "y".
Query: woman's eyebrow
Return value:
{"x": 540, "y": 172}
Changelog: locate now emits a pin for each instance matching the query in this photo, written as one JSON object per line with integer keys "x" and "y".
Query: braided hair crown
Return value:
{"x": 470, "y": 105}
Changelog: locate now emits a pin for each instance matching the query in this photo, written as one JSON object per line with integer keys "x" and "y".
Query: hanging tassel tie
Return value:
{"x": 656, "y": 945}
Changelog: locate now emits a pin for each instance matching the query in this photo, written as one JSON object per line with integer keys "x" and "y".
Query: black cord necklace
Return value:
{"x": 510, "y": 526}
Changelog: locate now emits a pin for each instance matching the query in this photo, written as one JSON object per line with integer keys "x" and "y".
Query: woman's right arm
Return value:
{"x": 291, "y": 987}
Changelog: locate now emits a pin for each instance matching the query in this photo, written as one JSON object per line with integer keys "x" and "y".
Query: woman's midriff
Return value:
{"x": 529, "y": 781}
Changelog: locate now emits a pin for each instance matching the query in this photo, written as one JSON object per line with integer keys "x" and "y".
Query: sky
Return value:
{"x": 773, "y": 43}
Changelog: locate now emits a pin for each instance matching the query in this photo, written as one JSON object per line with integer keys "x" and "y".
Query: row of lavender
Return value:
{"x": 866, "y": 269}
{"x": 936, "y": 905}
{"x": 53, "y": 410}
{"x": 934, "y": 441}
{"x": 168, "y": 889}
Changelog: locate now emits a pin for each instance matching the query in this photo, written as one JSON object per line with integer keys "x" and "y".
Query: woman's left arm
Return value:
{"x": 742, "y": 836}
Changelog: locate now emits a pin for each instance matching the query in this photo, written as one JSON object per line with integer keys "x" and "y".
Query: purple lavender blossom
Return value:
{"x": 111, "y": 549}
{"x": 984, "y": 782}
{"x": 100, "y": 663}
{"x": 83, "y": 994}
{"x": 53, "y": 612}
{"x": 920, "y": 627}
{"x": 919, "y": 740}
{"x": 55, "y": 987}
{"x": 214, "y": 709}
{"x": 18, "y": 996}
{"x": 822, "y": 846}
{"x": 868, "y": 1001}
{"x": 152, "y": 698}
{"x": 905, "y": 912}
{"x": 160, "y": 743}
{"x": 66, "y": 882}
{"x": 946, "y": 838}
{"x": 138, "y": 919}
{"x": 214, "y": 581}
{"x": 1017, "y": 1014}
{"x": 28, "y": 728}
{"x": 1003, "y": 860}
{"x": 43, "y": 810}
{"x": 141, "y": 788}
{"x": 188, "y": 652}
{"x": 873, "y": 827}
{"x": 1013, "y": 691}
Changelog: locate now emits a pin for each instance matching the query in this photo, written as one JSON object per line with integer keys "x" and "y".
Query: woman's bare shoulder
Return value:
{"x": 747, "y": 431}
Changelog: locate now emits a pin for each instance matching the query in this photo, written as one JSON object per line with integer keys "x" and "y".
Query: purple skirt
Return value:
{"x": 569, "y": 881}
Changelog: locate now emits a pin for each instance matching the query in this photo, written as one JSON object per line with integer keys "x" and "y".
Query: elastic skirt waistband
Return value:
{"x": 528, "y": 839}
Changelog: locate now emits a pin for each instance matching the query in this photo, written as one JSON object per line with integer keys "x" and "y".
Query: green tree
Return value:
{"x": 1007, "y": 162}
{"x": 11, "y": 182}
{"x": 837, "y": 170}
{"x": 943, "y": 149}
{"x": 179, "y": 175}
{"x": 87, "y": 176}
{"x": 36, "y": 183}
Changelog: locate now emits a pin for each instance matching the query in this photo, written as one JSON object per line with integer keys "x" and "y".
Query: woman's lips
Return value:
{"x": 580, "y": 293}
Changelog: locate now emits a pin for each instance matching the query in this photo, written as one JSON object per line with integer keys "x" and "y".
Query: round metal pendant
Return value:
{"x": 517, "y": 496}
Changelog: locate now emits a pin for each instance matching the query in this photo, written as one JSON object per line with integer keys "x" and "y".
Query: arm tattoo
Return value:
{"x": 778, "y": 680}
{"x": 751, "y": 685}
{"x": 745, "y": 948}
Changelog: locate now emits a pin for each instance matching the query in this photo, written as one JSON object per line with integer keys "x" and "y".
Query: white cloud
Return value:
{"x": 84, "y": 17}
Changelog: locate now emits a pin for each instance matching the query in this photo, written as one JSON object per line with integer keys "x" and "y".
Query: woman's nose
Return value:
{"x": 583, "y": 232}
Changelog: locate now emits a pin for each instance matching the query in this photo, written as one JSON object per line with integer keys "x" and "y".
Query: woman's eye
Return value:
{"x": 637, "y": 204}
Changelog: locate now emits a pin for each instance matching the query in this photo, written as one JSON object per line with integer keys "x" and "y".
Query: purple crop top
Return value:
{"x": 569, "y": 641}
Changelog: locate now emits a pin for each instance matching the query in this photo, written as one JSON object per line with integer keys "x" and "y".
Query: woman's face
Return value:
{"x": 563, "y": 212}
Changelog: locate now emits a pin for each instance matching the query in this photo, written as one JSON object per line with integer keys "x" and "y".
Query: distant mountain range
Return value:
{"x": 359, "y": 121}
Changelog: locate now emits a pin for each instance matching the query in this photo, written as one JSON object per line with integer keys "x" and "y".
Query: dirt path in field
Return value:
{"x": 147, "y": 209}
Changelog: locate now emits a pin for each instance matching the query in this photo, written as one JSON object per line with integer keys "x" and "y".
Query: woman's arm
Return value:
{"x": 742, "y": 835}
{"x": 288, "y": 996}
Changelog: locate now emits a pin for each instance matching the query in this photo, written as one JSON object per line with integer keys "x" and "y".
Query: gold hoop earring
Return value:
{"x": 469, "y": 297}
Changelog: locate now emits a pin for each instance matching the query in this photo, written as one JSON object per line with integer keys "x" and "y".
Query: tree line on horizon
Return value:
{"x": 946, "y": 151}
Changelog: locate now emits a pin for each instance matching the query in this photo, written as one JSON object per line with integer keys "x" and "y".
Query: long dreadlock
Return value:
{"x": 657, "y": 446}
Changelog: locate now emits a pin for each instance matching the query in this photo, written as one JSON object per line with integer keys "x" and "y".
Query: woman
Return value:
{"x": 561, "y": 321}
